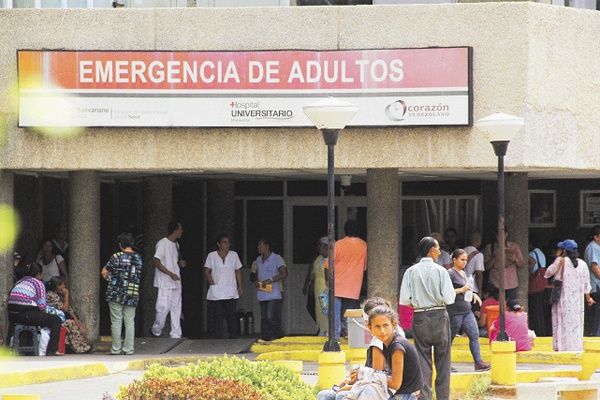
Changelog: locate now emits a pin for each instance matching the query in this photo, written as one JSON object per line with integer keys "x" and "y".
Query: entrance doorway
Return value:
{"x": 308, "y": 222}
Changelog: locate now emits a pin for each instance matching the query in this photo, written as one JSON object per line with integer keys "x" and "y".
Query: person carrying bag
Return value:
{"x": 537, "y": 280}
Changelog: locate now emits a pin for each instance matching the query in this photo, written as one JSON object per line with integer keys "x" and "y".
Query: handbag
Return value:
{"x": 537, "y": 280}
{"x": 556, "y": 292}
{"x": 557, "y": 286}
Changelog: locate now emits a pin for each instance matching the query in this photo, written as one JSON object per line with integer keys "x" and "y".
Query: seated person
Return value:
{"x": 57, "y": 296}
{"x": 27, "y": 305}
{"x": 516, "y": 325}
{"x": 402, "y": 378}
{"x": 490, "y": 298}
{"x": 375, "y": 357}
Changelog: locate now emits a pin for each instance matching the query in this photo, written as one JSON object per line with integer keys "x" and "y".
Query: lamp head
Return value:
{"x": 330, "y": 113}
{"x": 500, "y": 127}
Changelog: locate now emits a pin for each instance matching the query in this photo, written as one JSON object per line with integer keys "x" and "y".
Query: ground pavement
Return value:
{"x": 91, "y": 376}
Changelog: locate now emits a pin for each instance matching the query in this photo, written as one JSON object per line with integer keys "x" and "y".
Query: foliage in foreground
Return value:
{"x": 478, "y": 389}
{"x": 203, "y": 388}
{"x": 272, "y": 381}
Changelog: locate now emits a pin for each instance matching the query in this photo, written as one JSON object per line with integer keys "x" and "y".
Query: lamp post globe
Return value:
{"x": 330, "y": 116}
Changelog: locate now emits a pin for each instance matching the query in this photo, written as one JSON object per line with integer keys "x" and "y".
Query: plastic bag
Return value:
{"x": 324, "y": 301}
{"x": 43, "y": 341}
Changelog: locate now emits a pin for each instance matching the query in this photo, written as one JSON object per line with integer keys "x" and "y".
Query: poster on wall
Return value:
{"x": 391, "y": 87}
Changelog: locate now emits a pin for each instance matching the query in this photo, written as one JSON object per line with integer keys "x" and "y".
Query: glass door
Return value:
{"x": 307, "y": 218}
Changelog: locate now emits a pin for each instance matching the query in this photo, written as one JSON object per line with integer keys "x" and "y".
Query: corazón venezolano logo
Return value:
{"x": 400, "y": 110}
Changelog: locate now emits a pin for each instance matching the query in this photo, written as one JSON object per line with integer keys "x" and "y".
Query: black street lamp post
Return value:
{"x": 330, "y": 116}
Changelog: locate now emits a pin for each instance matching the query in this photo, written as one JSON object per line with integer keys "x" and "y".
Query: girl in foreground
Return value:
{"x": 404, "y": 380}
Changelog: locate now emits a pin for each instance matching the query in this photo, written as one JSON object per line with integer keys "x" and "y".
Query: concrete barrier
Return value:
{"x": 567, "y": 389}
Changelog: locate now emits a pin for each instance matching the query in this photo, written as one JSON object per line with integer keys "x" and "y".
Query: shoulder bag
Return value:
{"x": 557, "y": 288}
{"x": 537, "y": 280}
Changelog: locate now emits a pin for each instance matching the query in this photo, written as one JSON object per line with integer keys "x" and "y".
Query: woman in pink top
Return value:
{"x": 516, "y": 326}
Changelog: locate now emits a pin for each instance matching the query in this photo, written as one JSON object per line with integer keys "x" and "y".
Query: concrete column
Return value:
{"x": 220, "y": 211}
{"x": 84, "y": 243}
{"x": 6, "y": 257}
{"x": 382, "y": 228}
{"x": 158, "y": 203}
{"x": 517, "y": 221}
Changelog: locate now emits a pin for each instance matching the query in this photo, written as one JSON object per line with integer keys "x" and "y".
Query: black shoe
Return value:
{"x": 482, "y": 367}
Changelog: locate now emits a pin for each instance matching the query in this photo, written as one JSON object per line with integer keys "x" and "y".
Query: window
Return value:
{"x": 589, "y": 203}
{"x": 542, "y": 208}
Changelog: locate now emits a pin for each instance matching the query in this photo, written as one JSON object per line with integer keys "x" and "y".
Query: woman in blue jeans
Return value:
{"x": 461, "y": 316}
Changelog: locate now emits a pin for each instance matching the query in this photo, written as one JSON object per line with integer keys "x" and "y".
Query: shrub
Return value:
{"x": 203, "y": 388}
{"x": 273, "y": 382}
{"x": 478, "y": 389}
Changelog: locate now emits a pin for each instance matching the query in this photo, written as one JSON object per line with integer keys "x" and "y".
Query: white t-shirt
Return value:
{"x": 444, "y": 258}
{"x": 475, "y": 264}
{"x": 223, "y": 274}
{"x": 51, "y": 270}
{"x": 166, "y": 252}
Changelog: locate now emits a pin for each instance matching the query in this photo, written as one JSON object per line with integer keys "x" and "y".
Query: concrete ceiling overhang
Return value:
{"x": 358, "y": 174}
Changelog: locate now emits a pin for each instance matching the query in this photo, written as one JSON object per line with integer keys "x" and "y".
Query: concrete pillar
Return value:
{"x": 517, "y": 221}
{"x": 382, "y": 228}
{"x": 6, "y": 257}
{"x": 220, "y": 212}
{"x": 158, "y": 201}
{"x": 84, "y": 244}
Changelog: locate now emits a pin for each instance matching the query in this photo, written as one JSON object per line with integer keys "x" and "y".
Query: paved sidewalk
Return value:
{"x": 23, "y": 374}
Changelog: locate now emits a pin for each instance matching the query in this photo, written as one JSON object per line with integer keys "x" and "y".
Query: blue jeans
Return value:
{"x": 468, "y": 324}
{"x": 270, "y": 319}
{"x": 329, "y": 394}
{"x": 405, "y": 397}
{"x": 342, "y": 304}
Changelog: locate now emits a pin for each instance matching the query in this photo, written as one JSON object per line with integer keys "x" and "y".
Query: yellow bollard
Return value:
{"x": 332, "y": 368}
{"x": 590, "y": 359}
{"x": 504, "y": 363}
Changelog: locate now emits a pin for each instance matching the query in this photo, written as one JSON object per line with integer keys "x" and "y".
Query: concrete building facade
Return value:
{"x": 530, "y": 60}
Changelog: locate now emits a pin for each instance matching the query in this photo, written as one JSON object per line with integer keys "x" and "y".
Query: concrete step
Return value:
{"x": 294, "y": 343}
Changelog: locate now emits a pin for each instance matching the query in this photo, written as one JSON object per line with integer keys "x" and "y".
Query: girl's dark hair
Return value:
{"x": 373, "y": 302}
{"x": 457, "y": 253}
{"x": 54, "y": 282}
{"x": 383, "y": 310}
{"x": 573, "y": 256}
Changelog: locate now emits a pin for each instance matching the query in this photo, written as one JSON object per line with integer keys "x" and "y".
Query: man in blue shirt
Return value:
{"x": 592, "y": 258}
{"x": 427, "y": 288}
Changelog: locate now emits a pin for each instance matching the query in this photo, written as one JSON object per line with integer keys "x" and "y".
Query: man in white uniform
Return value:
{"x": 167, "y": 279}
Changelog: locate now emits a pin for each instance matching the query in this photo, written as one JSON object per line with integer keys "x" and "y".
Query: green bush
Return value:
{"x": 204, "y": 388}
{"x": 273, "y": 382}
